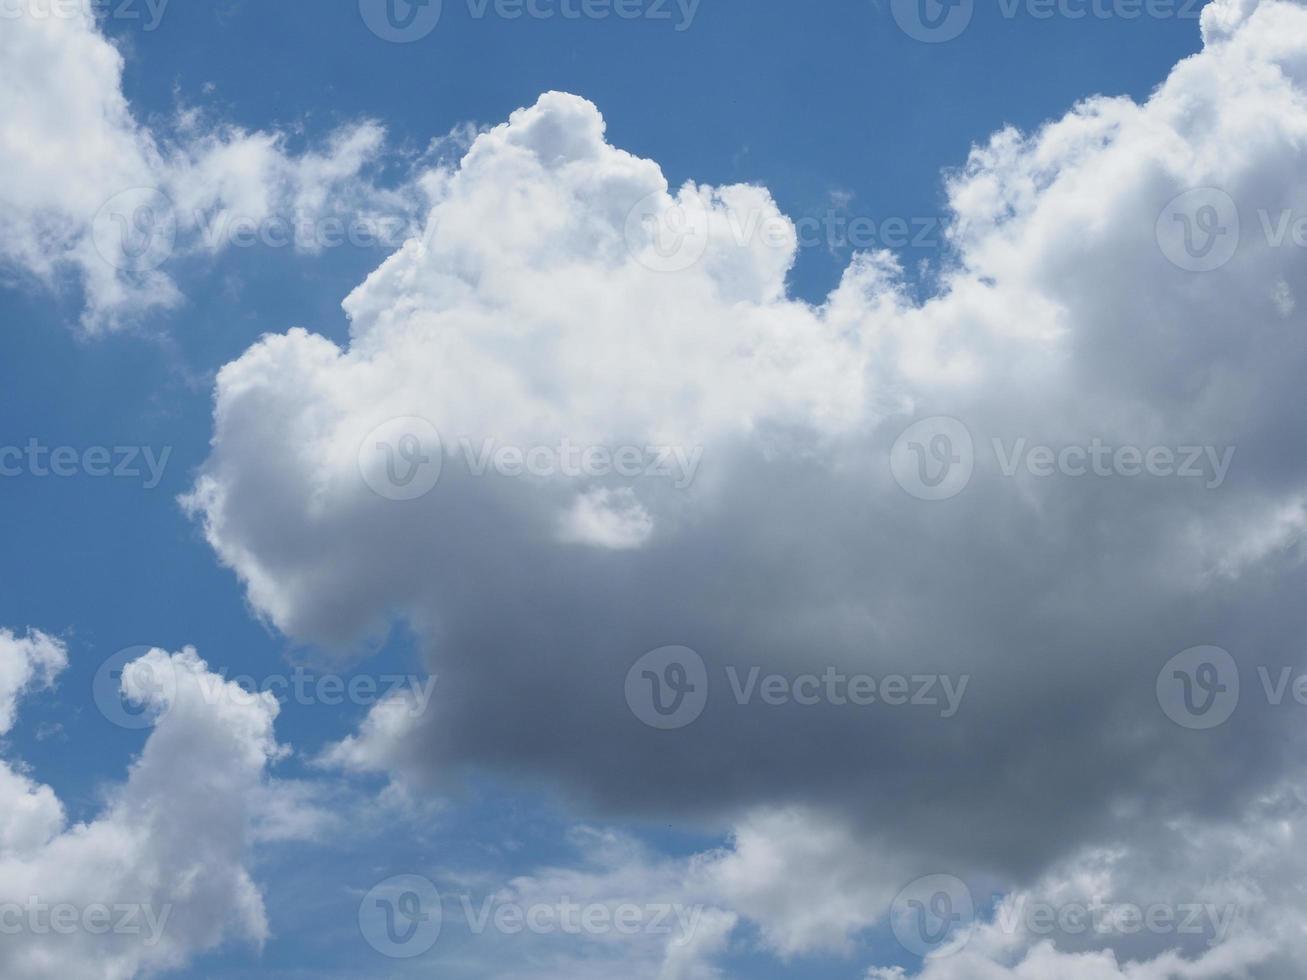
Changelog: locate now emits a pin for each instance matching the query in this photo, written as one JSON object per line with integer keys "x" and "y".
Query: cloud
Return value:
{"x": 162, "y": 873}
{"x": 92, "y": 193}
{"x": 564, "y": 300}
{"x": 810, "y": 884}
{"x": 619, "y": 907}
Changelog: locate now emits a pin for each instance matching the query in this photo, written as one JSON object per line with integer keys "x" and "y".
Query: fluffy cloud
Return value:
{"x": 89, "y": 191}
{"x": 162, "y": 873}
{"x": 563, "y": 298}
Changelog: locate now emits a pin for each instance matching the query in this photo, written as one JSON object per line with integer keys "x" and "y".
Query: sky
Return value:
{"x": 730, "y": 490}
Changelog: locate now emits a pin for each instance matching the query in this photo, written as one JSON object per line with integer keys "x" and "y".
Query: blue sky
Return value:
{"x": 833, "y": 106}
